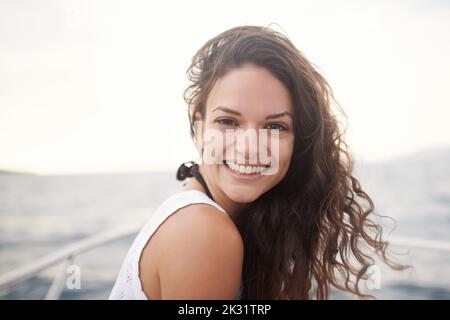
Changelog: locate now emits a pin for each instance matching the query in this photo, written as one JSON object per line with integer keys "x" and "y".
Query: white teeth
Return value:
{"x": 245, "y": 169}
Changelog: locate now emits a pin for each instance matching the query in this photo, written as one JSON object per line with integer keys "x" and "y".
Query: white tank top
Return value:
{"x": 128, "y": 284}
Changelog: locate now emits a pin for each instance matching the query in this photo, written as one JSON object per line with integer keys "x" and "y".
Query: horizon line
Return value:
{"x": 356, "y": 158}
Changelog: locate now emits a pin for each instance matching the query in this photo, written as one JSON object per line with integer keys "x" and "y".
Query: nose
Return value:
{"x": 246, "y": 143}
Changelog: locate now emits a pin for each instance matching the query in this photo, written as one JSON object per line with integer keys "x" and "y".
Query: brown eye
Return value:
{"x": 275, "y": 126}
{"x": 226, "y": 122}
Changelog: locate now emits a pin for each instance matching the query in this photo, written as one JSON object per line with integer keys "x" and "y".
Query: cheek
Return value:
{"x": 286, "y": 150}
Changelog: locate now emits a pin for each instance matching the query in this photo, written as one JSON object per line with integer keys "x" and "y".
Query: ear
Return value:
{"x": 198, "y": 116}
{"x": 198, "y": 132}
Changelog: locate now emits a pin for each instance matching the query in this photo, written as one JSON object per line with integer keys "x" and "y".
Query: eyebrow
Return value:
{"x": 271, "y": 116}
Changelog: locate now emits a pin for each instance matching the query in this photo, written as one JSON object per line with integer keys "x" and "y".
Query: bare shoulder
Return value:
{"x": 201, "y": 255}
{"x": 201, "y": 220}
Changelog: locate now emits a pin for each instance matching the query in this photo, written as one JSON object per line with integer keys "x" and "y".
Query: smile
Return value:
{"x": 245, "y": 169}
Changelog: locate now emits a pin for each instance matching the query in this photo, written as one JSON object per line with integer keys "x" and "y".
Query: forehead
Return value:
{"x": 251, "y": 90}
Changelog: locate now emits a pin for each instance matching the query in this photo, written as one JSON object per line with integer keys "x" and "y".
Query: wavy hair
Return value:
{"x": 315, "y": 229}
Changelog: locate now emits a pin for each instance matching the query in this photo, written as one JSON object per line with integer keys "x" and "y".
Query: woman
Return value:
{"x": 291, "y": 202}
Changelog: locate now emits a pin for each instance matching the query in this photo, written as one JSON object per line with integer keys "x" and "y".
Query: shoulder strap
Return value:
{"x": 185, "y": 171}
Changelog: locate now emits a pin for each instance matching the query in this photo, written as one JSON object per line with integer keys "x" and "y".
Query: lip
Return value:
{"x": 240, "y": 176}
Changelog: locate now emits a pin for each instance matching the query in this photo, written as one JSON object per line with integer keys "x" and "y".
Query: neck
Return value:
{"x": 231, "y": 207}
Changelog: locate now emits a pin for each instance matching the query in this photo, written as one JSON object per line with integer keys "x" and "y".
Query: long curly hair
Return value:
{"x": 315, "y": 229}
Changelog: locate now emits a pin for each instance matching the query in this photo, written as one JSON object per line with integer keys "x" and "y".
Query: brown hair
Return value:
{"x": 306, "y": 233}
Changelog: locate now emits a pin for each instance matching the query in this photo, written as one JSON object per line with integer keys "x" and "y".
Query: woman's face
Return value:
{"x": 252, "y": 112}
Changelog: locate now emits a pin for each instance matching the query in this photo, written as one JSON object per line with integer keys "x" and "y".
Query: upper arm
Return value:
{"x": 202, "y": 256}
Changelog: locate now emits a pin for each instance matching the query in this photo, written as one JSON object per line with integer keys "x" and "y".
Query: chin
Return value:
{"x": 243, "y": 195}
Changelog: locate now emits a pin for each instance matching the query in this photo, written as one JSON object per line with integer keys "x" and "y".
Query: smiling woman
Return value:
{"x": 260, "y": 104}
{"x": 275, "y": 162}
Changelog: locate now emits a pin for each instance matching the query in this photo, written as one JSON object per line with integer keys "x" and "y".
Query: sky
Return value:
{"x": 96, "y": 86}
